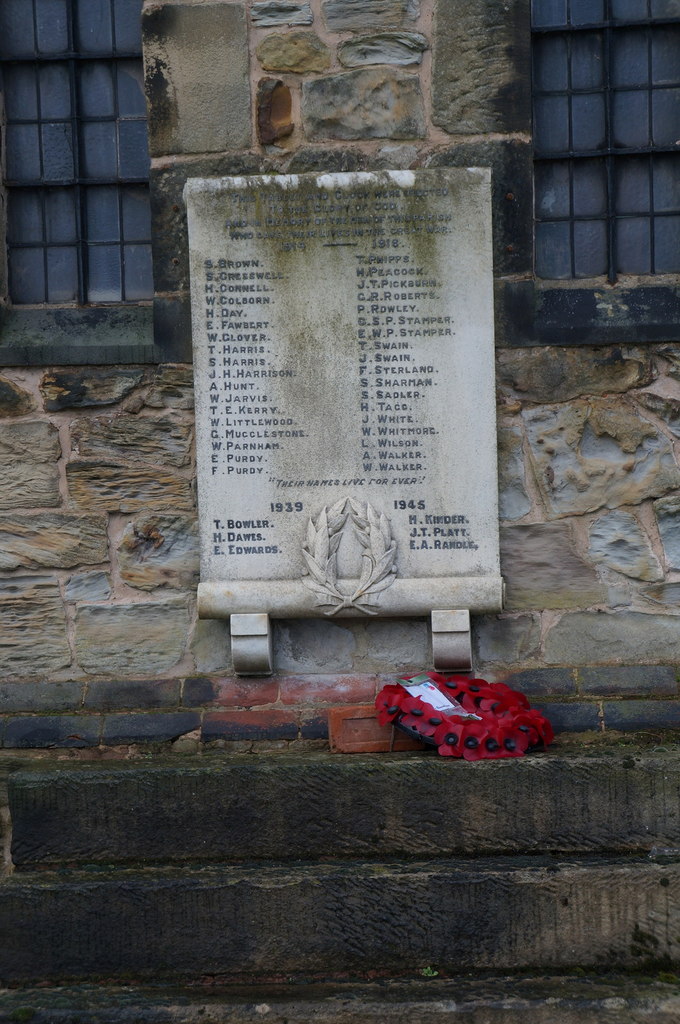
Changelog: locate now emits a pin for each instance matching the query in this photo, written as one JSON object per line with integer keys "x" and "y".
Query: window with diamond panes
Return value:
{"x": 606, "y": 84}
{"x": 76, "y": 165}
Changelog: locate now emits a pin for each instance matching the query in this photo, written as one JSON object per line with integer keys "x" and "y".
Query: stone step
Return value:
{"x": 494, "y": 1000}
{"x": 325, "y": 806}
{"x": 458, "y": 915}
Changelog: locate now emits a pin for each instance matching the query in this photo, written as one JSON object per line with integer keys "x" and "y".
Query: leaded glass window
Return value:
{"x": 77, "y": 165}
{"x": 606, "y": 137}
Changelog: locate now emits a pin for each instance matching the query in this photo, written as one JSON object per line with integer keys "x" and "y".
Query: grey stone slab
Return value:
{"x": 642, "y": 714}
{"x": 663, "y": 593}
{"x": 373, "y": 103}
{"x": 350, "y": 15}
{"x": 267, "y": 13}
{"x": 572, "y": 716}
{"x": 597, "y": 454}
{"x": 34, "y": 640}
{"x": 481, "y": 67}
{"x": 324, "y": 160}
{"x": 544, "y": 681}
{"x": 668, "y": 518}
{"x": 31, "y": 696}
{"x": 133, "y": 439}
{"x": 513, "y": 500}
{"x": 302, "y": 646}
{"x": 629, "y": 679}
{"x": 359, "y": 806}
{"x": 511, "y": 163}
{"x": 88, "y": 586}
{"x": 171, "y": 247}
{"x": 506, "y": 641}
{"x": 148, "y": 728}
{"x": 44, "y": 731}
{"x": 533, "y": 913}
{"x": 306, "y": 462}
{"x": 543, "y": 570}
{"x": 110, "y": 694}
{"x": 132, "y": 639}
{"x": 618, "y": 541}
{"x": 599, "y": 638}
{"x": 401, "y": 48}
{"x": 201, "y": 100}
{"x": 54, "y": 540}
{"x": 211, "y": 646}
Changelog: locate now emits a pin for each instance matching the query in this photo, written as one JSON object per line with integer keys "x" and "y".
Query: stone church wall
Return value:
{"x": 98, "y": 539}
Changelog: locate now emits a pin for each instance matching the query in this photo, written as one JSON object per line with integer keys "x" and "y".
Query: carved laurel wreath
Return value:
{"x": 320, "y": 552}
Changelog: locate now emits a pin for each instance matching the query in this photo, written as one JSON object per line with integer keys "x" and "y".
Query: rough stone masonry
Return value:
{"x": 98, "y": 541}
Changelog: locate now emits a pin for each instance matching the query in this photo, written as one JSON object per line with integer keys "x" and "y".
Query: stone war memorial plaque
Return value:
{"x": 345, "y": 411}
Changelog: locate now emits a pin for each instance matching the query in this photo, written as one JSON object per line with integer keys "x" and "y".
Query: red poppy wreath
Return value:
{"x": 463, "y": 717}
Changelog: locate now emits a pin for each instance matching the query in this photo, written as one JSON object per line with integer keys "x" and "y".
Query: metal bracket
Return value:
{"x": 451, "y": 640}
{"x": 251, "y": 645}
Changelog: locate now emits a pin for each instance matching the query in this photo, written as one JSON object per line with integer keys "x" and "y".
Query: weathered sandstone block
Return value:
{"x": 14, "y": 401}
{"x": 88, "y": 586}
{"x": 597, "y": 638}
{"x": 33, "y": 627}
{"x": 513, "y": 499}
{"x": 134, "y": 439}
{"x": 28, "y": 456}
{"x": 131, "y": 639}
{"x": 280, "y": 12}
{"x": 668, "y": 518}
{"x": 542, "y": 569}
{"x": 202, "y": 95}
{"x": 172, "y": 388}
{"x": 160, "y": 551}
{"x": 589, "y": 455}
{"x": 110, "y": 487}
{"x": 51, "y": 540}
{"x": 401, "y": 48}
{"x": 367, "y": 104}
{"x": 295, "y": 51}
{"x": 617, "y": 540}
{"x": 346, "y": 15}
{"x": 481, "y": 67}
{"x": 551, "y": 374}
{"x": 82, "y": 387}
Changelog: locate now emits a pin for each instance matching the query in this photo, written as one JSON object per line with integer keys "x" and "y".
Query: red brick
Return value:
{"x": 333, "y": 689}
{"x": 245, "y": 693}
{"x": 355, "y": 730}
{"x": 249, "y": 725}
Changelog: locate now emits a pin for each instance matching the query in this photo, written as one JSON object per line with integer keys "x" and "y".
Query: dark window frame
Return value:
{"x": 531, "y": 311}
{"x": 68, "y": 333}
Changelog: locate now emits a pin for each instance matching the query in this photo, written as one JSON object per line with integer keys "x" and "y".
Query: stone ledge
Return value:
{"x": 583, "y": 1000}
{"x": 510, "y": 914}
{"x": 227, "y": 808}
